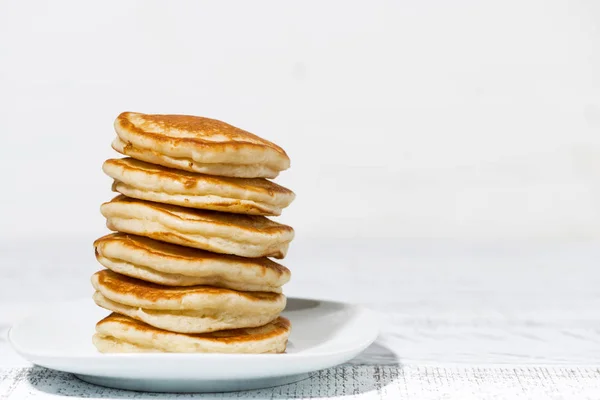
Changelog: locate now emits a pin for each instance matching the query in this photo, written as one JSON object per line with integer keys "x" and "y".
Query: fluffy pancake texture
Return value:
{"x": 242, "y": 235}
{"x": 121, "y": 334}
{"x": 198, "y": 144}
{"x": 145, "y": 181}
{"x": 188, "y": 268}
{"x": 173, "y": 265}
{"x": 194, "y": 309}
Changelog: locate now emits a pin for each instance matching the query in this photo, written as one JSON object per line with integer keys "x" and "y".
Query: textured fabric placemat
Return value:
{"x": 348, "y": 382}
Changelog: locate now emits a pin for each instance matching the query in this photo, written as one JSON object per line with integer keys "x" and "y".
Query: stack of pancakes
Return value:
{"x": 188, "y": 268}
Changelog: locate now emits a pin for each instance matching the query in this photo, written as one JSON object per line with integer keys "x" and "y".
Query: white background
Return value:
{"x": 417, "y": 130}
{"x": 413, "y": 119}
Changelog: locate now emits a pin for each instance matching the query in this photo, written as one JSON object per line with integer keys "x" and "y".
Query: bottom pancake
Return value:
{"x": 120, "y": 334}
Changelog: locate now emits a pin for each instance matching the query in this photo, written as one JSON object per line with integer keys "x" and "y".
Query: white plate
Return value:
{"x": 324, "y": 334}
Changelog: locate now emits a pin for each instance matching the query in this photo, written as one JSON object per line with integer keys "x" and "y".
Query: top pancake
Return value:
{"x": 198, "y": 144}
{"x": 141, "y": 180}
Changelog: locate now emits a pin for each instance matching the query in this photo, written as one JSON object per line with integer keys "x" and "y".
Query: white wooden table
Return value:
{"x": 459, "y": 321}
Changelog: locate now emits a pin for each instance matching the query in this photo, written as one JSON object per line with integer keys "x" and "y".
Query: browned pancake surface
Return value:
{"x": 177, "y": 130}
{"x": 173, "y": 251}
{"x": 152, "y": 292}
{"x": 275, "y": 328}
{"x": 191, "y": 179}
{"x": 240, "y": 221}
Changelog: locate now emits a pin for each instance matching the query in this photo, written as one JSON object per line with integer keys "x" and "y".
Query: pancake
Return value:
{"x": 198, "y": 144}
{"x": 194, "y": 309}
{"x": 121, "y": 334}
{"x": 241, "y": 235}
{"x": 151, "y": 182}
{"x": 172, "y": 265}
